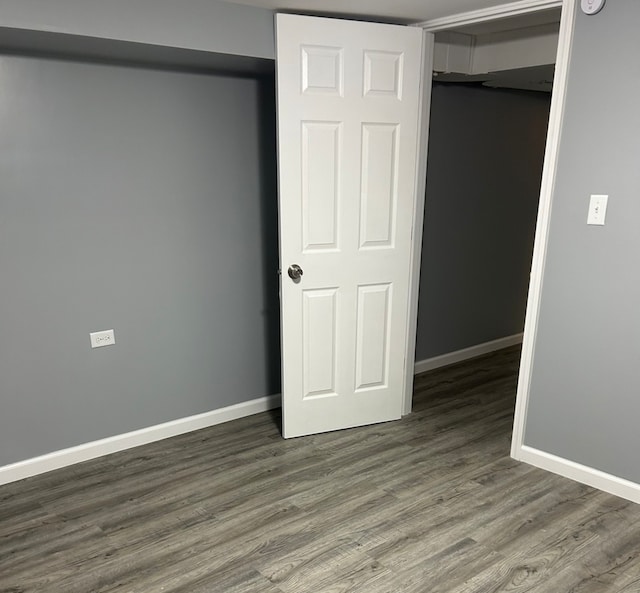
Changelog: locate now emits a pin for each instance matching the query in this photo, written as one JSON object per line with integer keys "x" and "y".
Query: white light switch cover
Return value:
{"x": 597, "y": 209}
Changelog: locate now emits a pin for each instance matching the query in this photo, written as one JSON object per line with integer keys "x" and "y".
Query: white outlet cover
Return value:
{"x": 592, "y": 6}
{"x": 103, "y": 338}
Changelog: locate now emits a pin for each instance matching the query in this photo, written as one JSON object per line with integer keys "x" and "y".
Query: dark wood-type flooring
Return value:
{"x": 431, "y": 503}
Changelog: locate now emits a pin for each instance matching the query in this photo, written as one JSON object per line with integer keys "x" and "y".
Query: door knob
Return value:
{"x": 295, "y": 272}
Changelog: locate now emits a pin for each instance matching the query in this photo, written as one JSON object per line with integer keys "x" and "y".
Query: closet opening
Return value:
{"x": 490, "y": 103}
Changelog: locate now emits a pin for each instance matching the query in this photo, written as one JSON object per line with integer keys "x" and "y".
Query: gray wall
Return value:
{"x": 207, "y": 25}
{"x": 486, "y": 148}
{"x": 585, "y": 393}
{"x": 140, "y": 200}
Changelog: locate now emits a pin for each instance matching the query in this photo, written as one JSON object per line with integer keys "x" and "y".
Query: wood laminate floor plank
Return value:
{"x": 431, "y": 503}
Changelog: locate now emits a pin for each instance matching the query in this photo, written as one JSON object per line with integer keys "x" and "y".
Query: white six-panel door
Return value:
{"x": 348, "y": 102}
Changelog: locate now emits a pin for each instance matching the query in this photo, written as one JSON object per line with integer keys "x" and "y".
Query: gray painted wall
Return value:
{"x": 206, "y": 25}
{"x": 139, "y": 200}
{"x": 486, "y": 148}
{"x": 585, "y": 392}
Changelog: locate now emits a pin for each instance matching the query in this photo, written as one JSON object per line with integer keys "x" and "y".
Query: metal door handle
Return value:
{"x": 295, "y": 272}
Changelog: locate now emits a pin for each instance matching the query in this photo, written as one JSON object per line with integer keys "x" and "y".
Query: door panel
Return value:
{"x": 320, "y": 190}
{"x": 379, "y": 190}
{"x": 372, "y": 345}
{"x": 347, "y": 141}
{"x": 320, "y": 342}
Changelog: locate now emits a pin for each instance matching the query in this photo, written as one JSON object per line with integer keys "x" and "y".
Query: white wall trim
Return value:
{"x": 436, "y": 362}
{"x": 87, "y": 451}
{"x": 581, "y": 473}
{"x": 428, "y": 45}
{"x": 556, "y": 115}
{"x": 488, "y": 14}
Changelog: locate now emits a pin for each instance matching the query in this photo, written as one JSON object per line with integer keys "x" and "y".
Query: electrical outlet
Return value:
{"x": 597, "y": 210}
{"x": 103, "y": 338}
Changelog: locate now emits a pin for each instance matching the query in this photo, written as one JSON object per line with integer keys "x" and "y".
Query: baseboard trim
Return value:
{"x": 580, "y": 473}
{"x": 87, "y": 451}
{"x": 443, "y": 360}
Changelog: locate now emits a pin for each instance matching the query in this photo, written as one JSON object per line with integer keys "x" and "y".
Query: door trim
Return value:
{"x": 418, "y": 218}
{"x": 556, "y": 115}
{"x": 492, "y": 13}
{"x": 567, "y": 24}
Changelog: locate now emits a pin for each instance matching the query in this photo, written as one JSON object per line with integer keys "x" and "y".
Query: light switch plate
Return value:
{"x": 597, "y": 209}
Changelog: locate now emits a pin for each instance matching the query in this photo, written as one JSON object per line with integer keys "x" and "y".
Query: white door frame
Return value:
{"x": 567, "y": 21}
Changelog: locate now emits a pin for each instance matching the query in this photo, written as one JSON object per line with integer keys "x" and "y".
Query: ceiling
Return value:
{"x": 401, "y": 11}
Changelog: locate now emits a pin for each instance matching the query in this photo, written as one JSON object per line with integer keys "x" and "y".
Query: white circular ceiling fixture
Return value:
{"x": 592, "y": 6}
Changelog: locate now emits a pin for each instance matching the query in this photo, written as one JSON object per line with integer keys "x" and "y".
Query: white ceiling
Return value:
{"x": 408, "y": 11}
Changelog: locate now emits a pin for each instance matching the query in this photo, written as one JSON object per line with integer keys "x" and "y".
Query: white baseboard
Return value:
{"x": 86, "y": 451}
{"x": 443, "y": 360}
{"x": 580, "y": 473}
